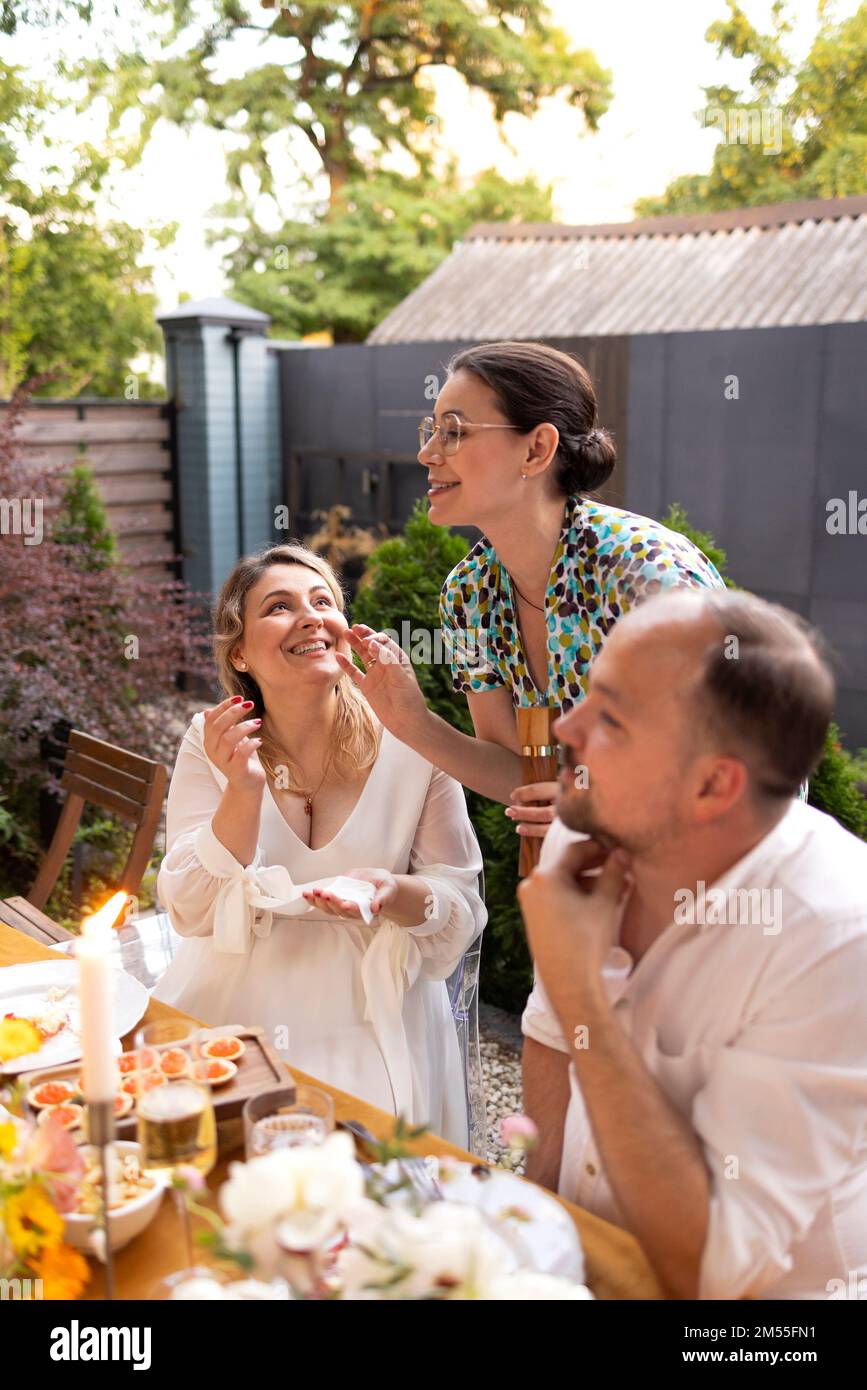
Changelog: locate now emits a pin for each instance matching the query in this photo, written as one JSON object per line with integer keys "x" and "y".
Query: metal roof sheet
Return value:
{"x": 793, "y": 263}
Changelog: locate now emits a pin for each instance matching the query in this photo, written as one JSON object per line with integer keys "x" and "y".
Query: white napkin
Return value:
{"x": 354, "y": 890}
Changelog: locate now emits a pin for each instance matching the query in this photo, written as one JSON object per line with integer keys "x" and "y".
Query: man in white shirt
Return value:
{"x": 696, "y": 1041}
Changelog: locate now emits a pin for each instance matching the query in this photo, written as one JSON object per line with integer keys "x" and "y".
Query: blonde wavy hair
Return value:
{"x": 356, "y": 731}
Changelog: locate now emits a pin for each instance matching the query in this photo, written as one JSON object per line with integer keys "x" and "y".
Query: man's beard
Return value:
{"x": 575, "y": 809}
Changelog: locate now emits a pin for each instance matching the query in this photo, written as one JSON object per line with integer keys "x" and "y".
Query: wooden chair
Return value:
{"x": 96, "y": 772}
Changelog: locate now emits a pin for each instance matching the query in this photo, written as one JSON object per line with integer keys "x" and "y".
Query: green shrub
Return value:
{"x": 836, "y": 785}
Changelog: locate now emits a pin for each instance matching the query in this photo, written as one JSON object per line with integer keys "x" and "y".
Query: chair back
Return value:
{"x": 131, "y": 786}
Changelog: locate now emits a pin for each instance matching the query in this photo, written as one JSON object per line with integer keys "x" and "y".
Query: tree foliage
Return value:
{"x": 347, "y": 77}
{"x": 814, "y": 141}
{"x": 75, "y": 301}
{"x": 345, "y": 272}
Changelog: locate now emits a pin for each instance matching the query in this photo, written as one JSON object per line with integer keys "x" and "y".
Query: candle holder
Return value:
{"x": 101, "y": 1133}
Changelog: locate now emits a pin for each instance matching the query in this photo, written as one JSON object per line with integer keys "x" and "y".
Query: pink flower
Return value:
{"x": 518, "y": 1132}
{"x": 187, "y": 1177}
{"x": 53, "y": 1152}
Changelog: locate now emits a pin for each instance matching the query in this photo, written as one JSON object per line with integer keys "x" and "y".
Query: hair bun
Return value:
{"x": 592, "y": 460}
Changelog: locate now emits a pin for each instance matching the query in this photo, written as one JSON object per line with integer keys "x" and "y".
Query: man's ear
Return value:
{"x": 720, "y": 784}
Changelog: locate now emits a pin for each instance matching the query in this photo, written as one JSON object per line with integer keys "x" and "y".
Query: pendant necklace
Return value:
{"x": 539, "y": 607}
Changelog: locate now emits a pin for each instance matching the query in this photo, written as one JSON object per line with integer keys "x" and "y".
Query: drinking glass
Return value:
{"x": 287, "y": 1119}
{"x": 174, "y": 1112}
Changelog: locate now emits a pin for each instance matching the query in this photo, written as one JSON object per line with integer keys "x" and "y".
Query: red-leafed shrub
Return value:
{"x": 85, "y": 642}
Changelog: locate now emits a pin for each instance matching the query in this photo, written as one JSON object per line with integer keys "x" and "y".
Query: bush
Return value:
{"x": 84, "y": 643}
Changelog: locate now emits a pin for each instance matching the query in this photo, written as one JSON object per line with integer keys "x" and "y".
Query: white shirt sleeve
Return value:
{"x": 446, "y": 855}
{"x": 197, "y": 864}
{"x": 539, "y": 1020}
{"x": 783, "y": 1120}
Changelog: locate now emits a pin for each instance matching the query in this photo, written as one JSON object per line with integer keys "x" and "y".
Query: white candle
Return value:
{"x": 95, "y": 1001}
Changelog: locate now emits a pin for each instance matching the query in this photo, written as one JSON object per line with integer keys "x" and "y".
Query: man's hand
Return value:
{"x": 572, "y": 914}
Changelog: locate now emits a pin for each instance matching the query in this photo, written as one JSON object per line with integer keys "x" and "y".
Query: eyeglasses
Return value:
{"x": 451, "y": 431}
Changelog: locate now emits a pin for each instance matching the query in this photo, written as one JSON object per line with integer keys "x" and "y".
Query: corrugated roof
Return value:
{"x": 793, "y": 263}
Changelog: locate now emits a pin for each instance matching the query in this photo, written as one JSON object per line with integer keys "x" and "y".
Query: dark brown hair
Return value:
{"x": 534, "y": 385}
{"x": 766, "y": 691}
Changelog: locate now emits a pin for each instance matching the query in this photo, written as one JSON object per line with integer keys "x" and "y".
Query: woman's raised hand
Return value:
{"x": 533, "y": 820}
{"x": 231, "y": 745}
{"x": 389, "y": 683}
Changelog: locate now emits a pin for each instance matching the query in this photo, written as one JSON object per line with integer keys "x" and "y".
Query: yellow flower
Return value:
{"x": 17, "y": 1038}
{"x": 31, "y": 1220}
{"x": 63, "y": 1272}
{"x": 8, "y": 1138}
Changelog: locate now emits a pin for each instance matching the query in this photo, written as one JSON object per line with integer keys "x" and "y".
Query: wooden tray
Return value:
{"x": 259, "y": 1069}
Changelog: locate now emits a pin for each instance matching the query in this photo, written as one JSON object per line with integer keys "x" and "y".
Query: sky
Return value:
{"x": 659, "y": 60}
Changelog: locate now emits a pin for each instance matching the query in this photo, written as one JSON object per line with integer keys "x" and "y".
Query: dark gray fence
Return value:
{"x": 759, "y": 470}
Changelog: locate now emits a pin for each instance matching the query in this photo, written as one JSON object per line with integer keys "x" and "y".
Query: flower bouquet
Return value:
{"x": 40, "y": 1171}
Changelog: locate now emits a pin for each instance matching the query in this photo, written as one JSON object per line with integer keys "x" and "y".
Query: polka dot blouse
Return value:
{"x": 606, "y": 561}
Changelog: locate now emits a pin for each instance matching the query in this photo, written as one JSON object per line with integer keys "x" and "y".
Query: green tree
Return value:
{"x": 75, "y": 302}
{"x": 348, "y": 77}
{"x": 821, "y": 110}
{"x": 346, "y": 272}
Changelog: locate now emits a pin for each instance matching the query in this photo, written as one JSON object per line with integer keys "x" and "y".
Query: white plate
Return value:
{"x": 23, "y": 991}
{"x": 540, "y": 1233}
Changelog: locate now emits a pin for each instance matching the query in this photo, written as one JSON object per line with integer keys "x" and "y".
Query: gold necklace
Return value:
{"x": 298, "y": 791}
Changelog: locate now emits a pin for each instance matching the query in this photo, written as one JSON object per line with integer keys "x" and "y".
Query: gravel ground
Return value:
{"x": 500, "y": 1045}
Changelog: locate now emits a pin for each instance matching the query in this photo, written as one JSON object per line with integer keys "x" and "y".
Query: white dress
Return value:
{"x": 362, "y": 1007}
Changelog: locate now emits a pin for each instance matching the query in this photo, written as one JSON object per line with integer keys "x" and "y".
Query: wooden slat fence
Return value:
{"x": 128, "y": 444}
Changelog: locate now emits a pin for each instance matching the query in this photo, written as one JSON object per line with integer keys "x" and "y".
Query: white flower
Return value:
{"x": 526, "y": 1285}
{"x": 449, "y": 1251}
{"x": 301, "y": 1193}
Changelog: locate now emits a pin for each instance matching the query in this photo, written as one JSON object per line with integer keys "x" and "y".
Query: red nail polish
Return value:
{"x": 236, "y": 699}
{"x": 257, "y": 721}
{"x": 248, "y": 704}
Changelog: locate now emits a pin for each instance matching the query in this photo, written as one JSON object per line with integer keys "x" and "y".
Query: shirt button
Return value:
{"x": 590, "y": 1170}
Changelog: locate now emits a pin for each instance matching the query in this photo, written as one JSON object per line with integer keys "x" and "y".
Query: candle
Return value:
{"x": 95, "y": 1002}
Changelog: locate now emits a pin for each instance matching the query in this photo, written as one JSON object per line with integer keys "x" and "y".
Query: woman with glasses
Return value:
{"x": 515, "y": 450}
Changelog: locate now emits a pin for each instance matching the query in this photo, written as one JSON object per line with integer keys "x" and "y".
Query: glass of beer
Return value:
{"x": 175, "y": 1121}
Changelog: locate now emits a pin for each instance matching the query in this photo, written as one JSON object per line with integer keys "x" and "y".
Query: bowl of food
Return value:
{"x": 134, "y": 1199}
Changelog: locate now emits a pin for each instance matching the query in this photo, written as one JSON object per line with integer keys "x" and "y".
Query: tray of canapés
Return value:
{"x": 234, "y": 1065}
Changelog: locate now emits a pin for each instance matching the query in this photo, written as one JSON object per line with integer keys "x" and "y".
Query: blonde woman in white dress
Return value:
{"x": 286, "y": 784}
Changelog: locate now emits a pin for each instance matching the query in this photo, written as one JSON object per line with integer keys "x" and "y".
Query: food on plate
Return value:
{"x": 127, "y": 1062}
{"x": 122, "y": 1105}
{"x": 69, "y": 1116}
{"x": 48, "y": 1022}
{"x": 144, "y": 1081}
{"x": 230, "y": 1049}
{"x": 126, "y": 1182}
{"x": 215, "y": 1071}
{"x": 174, "y": 1063}
{"x": 49, "y": 1093}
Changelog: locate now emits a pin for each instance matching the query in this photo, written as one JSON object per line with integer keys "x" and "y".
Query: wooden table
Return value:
{"x": 616, "y": 1266}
